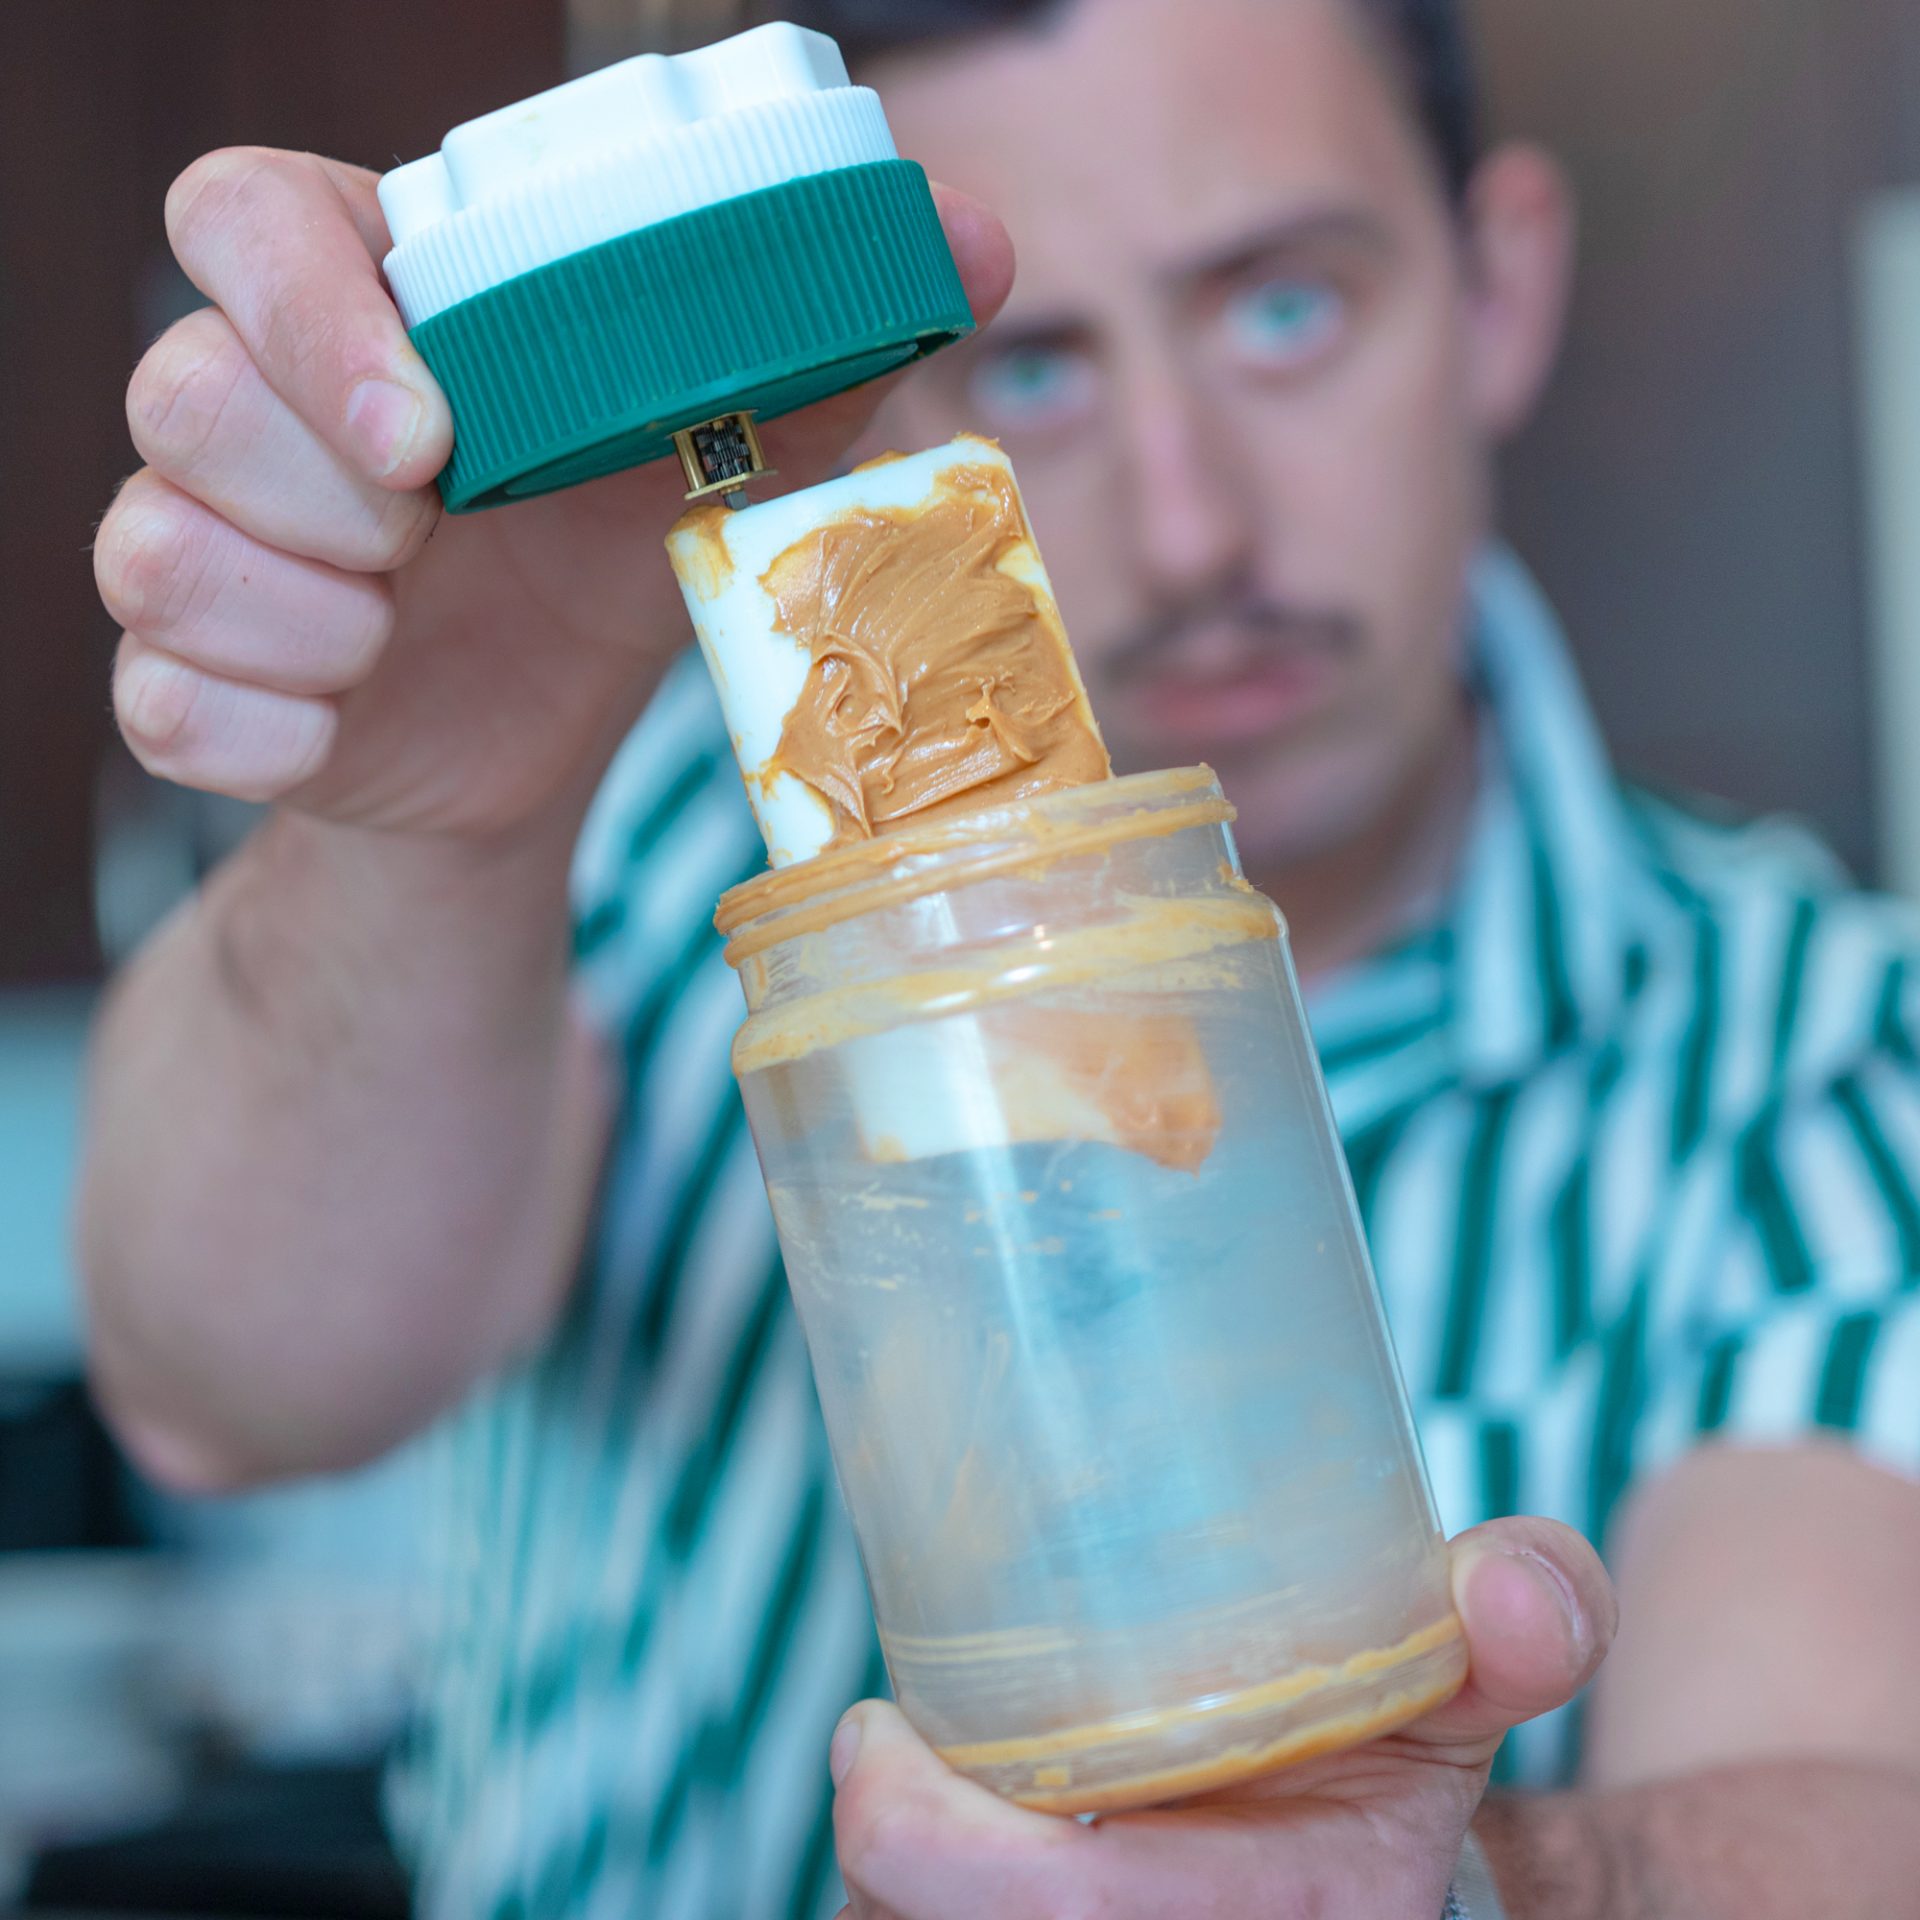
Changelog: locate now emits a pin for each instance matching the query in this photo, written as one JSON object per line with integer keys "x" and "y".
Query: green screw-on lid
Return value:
{"x": 761, "y": 304}
{"x": 657, "y": 245}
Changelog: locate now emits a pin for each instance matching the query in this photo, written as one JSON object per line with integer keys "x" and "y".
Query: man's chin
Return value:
{"x": 1297, "y": 804}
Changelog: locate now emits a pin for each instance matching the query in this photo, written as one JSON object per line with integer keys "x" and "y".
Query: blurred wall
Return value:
{"x": 1888, "y": 284}
{"x": 102, "y": 102}
{"x": 1692, "y": 494}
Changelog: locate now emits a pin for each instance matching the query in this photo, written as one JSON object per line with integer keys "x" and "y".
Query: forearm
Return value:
{"x": 1801, "y": 1840}
{"x": 343, "y": 1132}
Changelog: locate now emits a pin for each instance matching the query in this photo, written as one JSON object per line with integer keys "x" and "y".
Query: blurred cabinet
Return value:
{"x": 102, "y": 102}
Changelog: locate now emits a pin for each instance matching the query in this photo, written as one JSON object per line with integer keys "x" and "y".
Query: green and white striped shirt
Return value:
{"x": 1636, "y": 1131}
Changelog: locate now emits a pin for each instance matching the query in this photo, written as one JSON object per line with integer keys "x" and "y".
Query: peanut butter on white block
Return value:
{"x": 887, "y": 650}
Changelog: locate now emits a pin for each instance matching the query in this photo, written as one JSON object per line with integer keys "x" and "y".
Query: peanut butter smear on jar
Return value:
{"x": 941, "y": 681}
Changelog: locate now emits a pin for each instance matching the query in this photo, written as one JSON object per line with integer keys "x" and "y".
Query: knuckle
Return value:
{"x": 187, "y": 727}
{"x": 300, "y": 337}
{"x": 262, "y": 786}
{"x": 400, "y": 528}
{"x": 342, "y": 654}
{"x": 122, "y": 558}
{"x": 210, "y": 191}
{"x": 150, "y": 560}
{"x": 181, "y": 390}
{"x": 871, "y": 1826}
{"x": 361, "y": 652}
{"x": 153, "y": 700}
{"x": 114, "y": 564}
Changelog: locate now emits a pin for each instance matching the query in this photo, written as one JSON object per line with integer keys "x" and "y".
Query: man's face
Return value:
{"x": 1235, "y": 380}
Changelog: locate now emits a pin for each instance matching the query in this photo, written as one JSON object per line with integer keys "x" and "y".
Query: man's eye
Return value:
{"x": 1032, "y": 388}
{"x": 1282, "y": 324}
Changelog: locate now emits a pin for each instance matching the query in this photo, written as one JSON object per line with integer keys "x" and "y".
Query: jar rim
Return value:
{"x": 908, "y": 863}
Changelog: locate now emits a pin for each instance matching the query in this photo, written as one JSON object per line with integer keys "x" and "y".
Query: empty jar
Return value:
{"x": 1068, "y": 1225}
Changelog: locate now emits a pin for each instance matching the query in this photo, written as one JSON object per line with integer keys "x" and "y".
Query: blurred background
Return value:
{"x": 194, "y": 1698}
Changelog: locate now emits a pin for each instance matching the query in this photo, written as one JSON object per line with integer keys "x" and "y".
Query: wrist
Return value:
{"x": 313, "y": 913}
{"x": 1551, "y": 1855}
{"x": 525, "y": 863}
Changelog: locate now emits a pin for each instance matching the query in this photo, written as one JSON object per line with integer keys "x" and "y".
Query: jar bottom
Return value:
{"x": 1148, "y": 1759}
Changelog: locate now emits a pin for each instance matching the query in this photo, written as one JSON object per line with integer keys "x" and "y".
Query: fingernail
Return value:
{"x": 844, "y": 1751}
{"x": 383, "y": 422}
{"x": 155, "y": 693}
{"x": 1561, "y": 1585}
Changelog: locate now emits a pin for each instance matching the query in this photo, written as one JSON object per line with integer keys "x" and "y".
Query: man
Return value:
{"x": 1631, "y": 1100}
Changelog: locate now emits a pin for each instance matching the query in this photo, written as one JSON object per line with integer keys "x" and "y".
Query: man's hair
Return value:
{"x": 1428, "y": 39}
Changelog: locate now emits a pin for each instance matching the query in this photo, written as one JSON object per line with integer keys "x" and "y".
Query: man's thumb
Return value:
{"x": 1539, "y": 1614}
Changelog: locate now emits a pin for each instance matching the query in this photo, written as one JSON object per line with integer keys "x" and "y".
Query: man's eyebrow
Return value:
{"x": 1341, "y": 227}
{"x": 1011, "y": 333}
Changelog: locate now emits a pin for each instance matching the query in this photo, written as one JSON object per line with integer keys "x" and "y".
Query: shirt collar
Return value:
{"x": 1527, "y": 955}
{"x": 1539, "y": 909}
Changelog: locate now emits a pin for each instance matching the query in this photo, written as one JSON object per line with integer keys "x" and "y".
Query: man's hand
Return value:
{"x": 290, "y": 632}
{"x": 345, "y": 1128}
{"x": 1374, "y": 1833}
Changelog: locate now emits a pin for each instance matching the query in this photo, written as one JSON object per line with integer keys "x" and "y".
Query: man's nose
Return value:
{"x": 1193, "y": 522}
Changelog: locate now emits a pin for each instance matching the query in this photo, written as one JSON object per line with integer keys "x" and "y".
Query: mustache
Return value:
{"x": 1255, "y": 627}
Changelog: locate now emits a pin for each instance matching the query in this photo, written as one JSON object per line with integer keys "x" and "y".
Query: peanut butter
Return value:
{"x": 872, "y": 875}
{"x": 1040, "y": 1772}
{"x": 1180, "y": 945}
{"x": 941, "y": 681}
{"x": 1143, "y": 1080}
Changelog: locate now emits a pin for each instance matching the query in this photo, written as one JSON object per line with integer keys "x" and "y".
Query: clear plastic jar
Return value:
{"x": 1102, "y": 1361}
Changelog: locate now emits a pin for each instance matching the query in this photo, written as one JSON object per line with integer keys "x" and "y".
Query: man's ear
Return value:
{"x": 1520, "y": 226}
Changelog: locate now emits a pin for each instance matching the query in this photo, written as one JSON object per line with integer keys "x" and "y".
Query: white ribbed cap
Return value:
{"x": 625, "y": 148}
